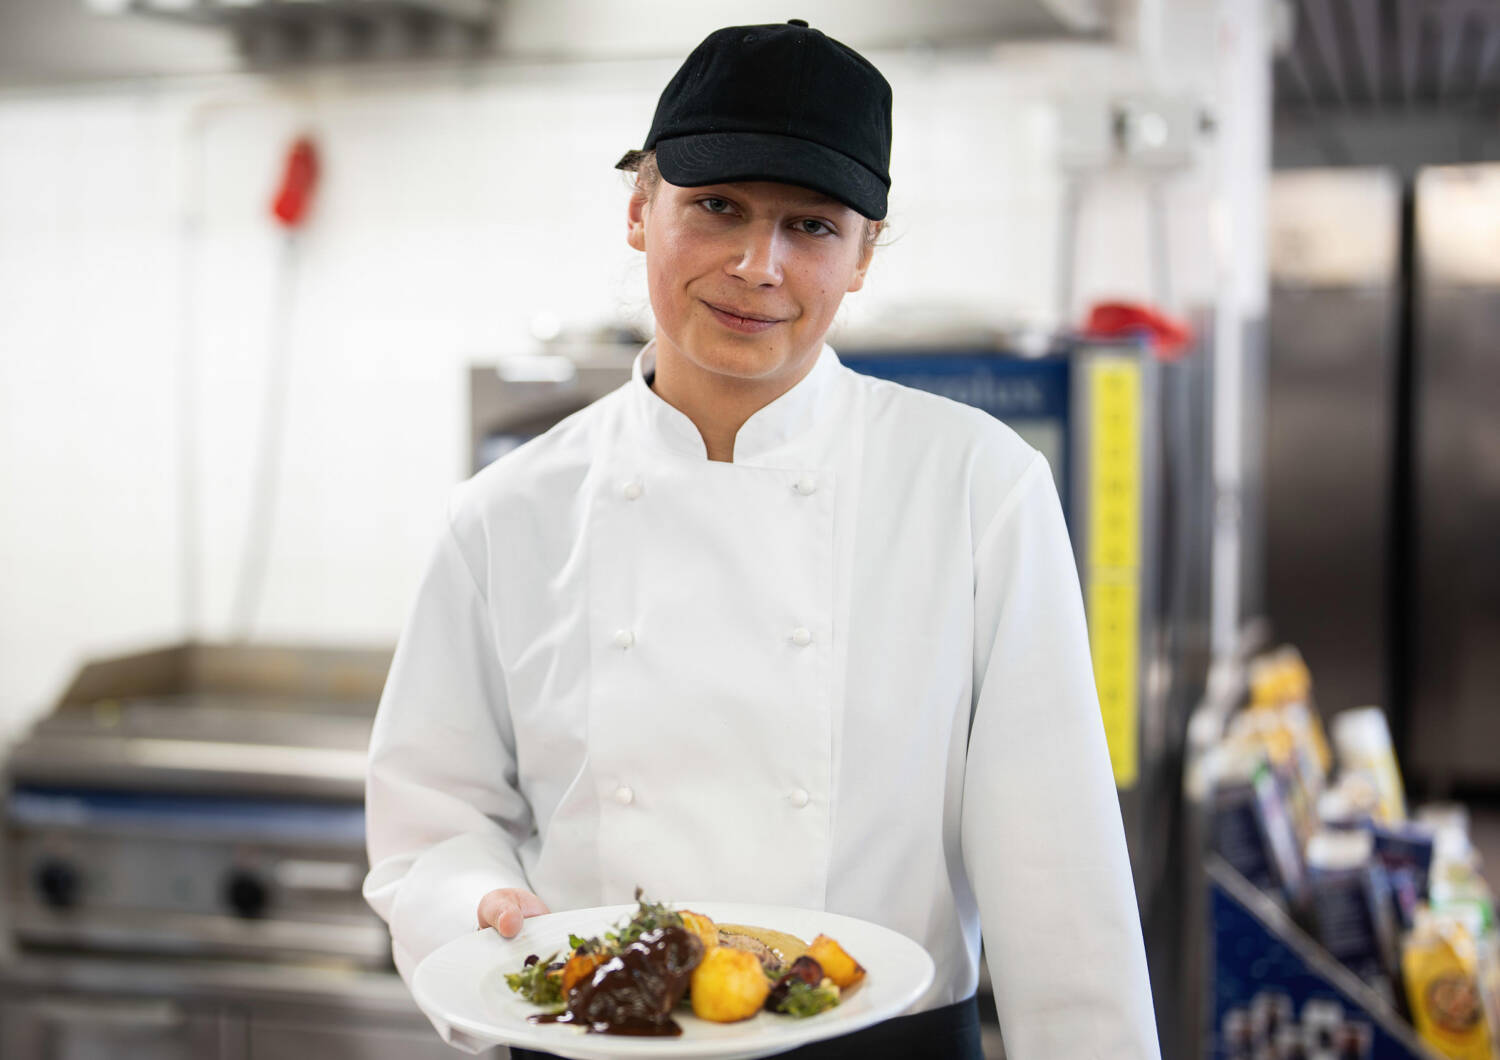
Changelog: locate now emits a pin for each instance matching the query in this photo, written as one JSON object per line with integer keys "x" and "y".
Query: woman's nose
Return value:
{"x": 759, "y": 259}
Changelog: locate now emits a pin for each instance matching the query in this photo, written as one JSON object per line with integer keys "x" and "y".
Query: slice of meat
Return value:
{"x": 635, "y": 991}
{"x": 786, "y": 947}
{"x": 763, "y": 953}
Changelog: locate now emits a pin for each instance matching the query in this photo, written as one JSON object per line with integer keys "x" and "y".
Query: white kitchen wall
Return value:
{"x": 137, "y": 252}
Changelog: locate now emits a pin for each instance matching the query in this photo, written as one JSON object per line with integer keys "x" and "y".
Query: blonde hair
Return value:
{"x": 648, "y": 178}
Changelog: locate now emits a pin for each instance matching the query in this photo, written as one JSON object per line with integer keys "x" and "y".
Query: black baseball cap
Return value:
{"x": 782, "y": 103}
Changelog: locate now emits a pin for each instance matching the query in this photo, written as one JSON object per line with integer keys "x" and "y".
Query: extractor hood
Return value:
{"x": 63, "y": 41}
{"x": 592, "y": 28}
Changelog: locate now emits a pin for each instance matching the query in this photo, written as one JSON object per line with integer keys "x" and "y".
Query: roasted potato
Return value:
{"x": 728, "y": 985}
{"x": 579, "y": 967}
{"x": 700, "y": 925}
{"x": 843, "y": 969}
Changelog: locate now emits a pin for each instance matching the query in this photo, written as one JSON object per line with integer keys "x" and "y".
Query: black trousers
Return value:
{"x": 947, "y": 1033}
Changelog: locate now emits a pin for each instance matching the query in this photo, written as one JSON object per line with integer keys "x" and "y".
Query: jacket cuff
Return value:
{"x": 436, "y": 898}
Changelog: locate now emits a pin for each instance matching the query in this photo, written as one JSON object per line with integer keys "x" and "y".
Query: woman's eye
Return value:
{"x": 715, "y": 205}
{"x": 813, "y": 227}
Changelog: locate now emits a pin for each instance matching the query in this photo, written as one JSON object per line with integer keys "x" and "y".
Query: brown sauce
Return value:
{"x": 634, "y": 993}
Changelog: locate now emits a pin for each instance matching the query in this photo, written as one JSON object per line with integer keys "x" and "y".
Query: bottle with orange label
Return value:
{"x": 1441, "y": 968}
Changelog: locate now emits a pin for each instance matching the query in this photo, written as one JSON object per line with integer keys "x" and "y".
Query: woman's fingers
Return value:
{"x": 507, "y": 908}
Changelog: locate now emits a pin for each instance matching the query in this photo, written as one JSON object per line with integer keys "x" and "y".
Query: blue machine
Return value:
{"x": 1033, "y": 396}
{"x": 1127, "y": 438}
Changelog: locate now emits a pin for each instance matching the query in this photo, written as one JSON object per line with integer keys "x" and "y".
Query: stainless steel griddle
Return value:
{"x": 203, "y": 799}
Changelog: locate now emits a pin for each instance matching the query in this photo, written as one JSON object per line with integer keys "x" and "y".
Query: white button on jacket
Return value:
{"x": 931, "y": 758}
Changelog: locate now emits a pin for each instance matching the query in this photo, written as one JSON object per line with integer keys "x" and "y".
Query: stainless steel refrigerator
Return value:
{"x": 1383, "y": 454}
{"x": 1453, "y": 735}
{"x": 1331, "y": 426}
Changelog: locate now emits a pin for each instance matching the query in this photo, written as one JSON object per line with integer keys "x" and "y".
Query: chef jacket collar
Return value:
{"x": 774, "y": 426}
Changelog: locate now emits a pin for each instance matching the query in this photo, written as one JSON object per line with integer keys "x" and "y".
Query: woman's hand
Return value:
{"x": 505, "y": 909}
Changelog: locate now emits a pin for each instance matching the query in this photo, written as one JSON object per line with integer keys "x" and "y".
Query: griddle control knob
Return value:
{"x": 58, "y": 883}
{"x": 246, "y": 893}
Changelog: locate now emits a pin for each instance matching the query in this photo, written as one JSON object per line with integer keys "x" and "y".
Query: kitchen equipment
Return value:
{"x": 203, "y": 800}
{"x": 1127, "y": 439}
{"x": 1452, "y": 727}
{"x": 1332, "y": 378}
{"x": 1381, "y": 366}
{"x": 182, "y": 851}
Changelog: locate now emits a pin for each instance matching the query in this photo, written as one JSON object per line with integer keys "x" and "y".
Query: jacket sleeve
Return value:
{"x": 1043, "y": 840}
{"x": 443, "y": 816}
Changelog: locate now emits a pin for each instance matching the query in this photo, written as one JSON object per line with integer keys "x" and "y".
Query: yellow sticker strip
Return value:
{"x": 1114, "y": 555}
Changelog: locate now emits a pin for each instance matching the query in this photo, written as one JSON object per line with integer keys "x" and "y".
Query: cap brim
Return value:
{"x": 721, "y": 157}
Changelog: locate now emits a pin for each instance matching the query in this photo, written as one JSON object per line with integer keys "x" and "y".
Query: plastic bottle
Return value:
{"x": 1344, "y": 807}
{"x": 1441, "y": 968}
{"x": 1363, "y": 741}
{"x": 1350, "y": 906}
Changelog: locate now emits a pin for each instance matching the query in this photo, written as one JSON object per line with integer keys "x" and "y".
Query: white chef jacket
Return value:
{"x": 848, "y": 671}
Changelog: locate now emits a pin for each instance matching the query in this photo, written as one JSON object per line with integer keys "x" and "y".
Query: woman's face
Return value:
{"x": 745, "y": 278}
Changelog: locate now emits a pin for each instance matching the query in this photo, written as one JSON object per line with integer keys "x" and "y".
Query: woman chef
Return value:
{"x": 757, "y": 628}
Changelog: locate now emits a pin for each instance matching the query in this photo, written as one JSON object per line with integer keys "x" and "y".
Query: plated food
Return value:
{"x": 462, "y": 985}
{"x": 630, "y": 980}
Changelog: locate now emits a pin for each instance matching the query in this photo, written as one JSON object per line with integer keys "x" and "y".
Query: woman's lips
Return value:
{"x": 735, "y": 322}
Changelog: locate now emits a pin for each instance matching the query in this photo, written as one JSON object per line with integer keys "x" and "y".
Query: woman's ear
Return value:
{"x": 635, "y": 217}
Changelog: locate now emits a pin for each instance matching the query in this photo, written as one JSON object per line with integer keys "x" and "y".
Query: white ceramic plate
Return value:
{"x": 463, "y": 984}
